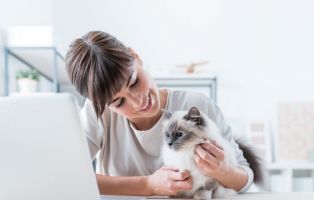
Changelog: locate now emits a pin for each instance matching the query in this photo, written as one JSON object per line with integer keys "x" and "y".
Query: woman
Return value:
{"x": 122, "y": 119}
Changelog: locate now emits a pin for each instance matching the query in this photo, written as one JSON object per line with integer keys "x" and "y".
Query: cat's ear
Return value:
{"x": 194, "y": 115}
{"x": 167, "y": 113}
{"x": 194, "y": 112}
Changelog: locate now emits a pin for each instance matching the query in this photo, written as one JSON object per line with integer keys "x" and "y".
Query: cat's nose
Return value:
{"x": 170, "y": 143}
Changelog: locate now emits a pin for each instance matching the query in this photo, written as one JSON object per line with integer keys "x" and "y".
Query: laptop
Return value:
{"x": 43, "y": 152}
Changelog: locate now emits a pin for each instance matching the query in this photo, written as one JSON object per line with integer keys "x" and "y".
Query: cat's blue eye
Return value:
{"x": 178, "y": 134}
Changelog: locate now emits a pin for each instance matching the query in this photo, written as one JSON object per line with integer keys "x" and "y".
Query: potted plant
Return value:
{"x": 27, "y": 80}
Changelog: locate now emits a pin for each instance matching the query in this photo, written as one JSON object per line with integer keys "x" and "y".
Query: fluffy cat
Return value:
{"x": 182, "y": 132}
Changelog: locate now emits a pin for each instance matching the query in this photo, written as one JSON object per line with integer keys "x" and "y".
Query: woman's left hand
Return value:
{"x": 209, "y": 158}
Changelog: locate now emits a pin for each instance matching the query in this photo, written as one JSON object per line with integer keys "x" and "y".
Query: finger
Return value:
{"x": 217, "y": 145}
{"x": 213, "y": 149}
{"x": 202, "y": 165}
{"x": 185, "y": 173}
{"x": 170, "y": 167}
{"x": 205, "y": 155}
{"x": 183, "y": 185}
{"x": 179, "y": 176}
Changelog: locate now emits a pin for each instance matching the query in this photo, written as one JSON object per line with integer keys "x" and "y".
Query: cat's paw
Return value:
{"x": 180, "y": 195}
{"x": 203, "y": 195}
{"x": 222, "y": 192}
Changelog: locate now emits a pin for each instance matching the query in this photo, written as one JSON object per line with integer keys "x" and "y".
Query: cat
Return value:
{"x": 182, "y": 131}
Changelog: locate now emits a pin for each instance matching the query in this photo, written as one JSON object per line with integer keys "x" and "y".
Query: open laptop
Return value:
{"x": 43, "y": 152}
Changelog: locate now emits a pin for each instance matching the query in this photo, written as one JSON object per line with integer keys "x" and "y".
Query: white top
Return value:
{"x": 125, "y": 151}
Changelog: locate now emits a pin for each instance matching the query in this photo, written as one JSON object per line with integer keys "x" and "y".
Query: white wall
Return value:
{"x": 27, "y": 12}
{"x": 21, "y": 12}
{"x": 263, "y": 50}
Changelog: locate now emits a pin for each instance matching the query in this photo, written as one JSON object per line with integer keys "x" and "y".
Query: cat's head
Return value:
{"x": 184, "y": 130}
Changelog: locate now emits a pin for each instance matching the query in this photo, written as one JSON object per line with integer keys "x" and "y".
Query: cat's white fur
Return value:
{"x": 184, "y": 160}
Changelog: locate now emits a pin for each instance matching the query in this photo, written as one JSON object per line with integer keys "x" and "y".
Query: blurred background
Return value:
{"x": 254, "y": 58}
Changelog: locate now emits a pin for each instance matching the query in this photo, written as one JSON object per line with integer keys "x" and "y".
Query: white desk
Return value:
{"x": 247, "y": 196}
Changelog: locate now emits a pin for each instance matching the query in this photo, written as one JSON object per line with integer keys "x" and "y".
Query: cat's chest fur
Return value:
{"x": 185, "y": 161}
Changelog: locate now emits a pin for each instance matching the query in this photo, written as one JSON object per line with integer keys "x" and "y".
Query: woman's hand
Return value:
{"x": 168, "y": 181}
{"x": 209, "y": 158}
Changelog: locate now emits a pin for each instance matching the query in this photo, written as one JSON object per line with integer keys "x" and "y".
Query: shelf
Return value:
{"x": 295, "y": 165}
{"x": 46, "y": 60}
{"x": 194, "y": 82}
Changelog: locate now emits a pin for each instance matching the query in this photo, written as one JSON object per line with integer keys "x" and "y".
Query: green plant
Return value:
{"x": 28, "y": 73}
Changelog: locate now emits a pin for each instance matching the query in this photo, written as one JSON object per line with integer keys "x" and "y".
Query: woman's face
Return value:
{"x": 139, "y": 98}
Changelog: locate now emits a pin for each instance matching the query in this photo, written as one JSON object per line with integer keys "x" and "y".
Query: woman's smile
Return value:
{"x": 148, "y": 104}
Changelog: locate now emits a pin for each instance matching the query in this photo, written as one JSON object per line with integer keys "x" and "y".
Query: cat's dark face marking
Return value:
{"x": 176, "y": 137}
{"x": 181, "y": 133}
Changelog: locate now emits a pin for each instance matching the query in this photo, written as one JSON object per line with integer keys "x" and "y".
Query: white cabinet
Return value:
{"x": 291, "y": 176}
{"x": 202, "y": 83}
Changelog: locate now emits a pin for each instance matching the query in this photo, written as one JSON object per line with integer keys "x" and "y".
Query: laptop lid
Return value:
{"x": 43, "y": 152}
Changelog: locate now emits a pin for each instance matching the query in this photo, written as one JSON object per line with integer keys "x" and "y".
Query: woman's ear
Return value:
{"x": 136, "y": 55}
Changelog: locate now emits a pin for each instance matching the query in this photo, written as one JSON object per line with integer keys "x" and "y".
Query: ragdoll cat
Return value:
{"x": 182, "y": 132}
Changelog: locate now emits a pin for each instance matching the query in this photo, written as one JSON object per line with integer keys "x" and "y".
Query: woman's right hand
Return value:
{"x": 168, "y": 181}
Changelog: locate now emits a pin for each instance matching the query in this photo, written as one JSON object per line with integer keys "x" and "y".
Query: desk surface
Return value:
{"x": 247, "y": 196}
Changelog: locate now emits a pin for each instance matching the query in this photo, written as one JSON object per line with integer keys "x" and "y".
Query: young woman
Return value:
{"x": 122, "y": 119}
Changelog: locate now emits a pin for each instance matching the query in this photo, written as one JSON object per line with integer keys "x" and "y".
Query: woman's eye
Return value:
{"x": 121, "y": 103}
{"x": 135, "y": 82}
{"x": 178, "y": 134}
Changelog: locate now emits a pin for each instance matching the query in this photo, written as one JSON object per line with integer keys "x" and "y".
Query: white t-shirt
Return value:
{"x": 125, "y": 151}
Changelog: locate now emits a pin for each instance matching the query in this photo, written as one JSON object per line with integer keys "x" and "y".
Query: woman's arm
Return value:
{"x": 232, "y": 177}
{"x": 240, "y": 178}
{"x": 114, "y": 185}
{"x": 165, "y": 181}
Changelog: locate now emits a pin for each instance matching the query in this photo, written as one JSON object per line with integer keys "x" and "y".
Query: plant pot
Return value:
{"x": 26, "y": 85}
